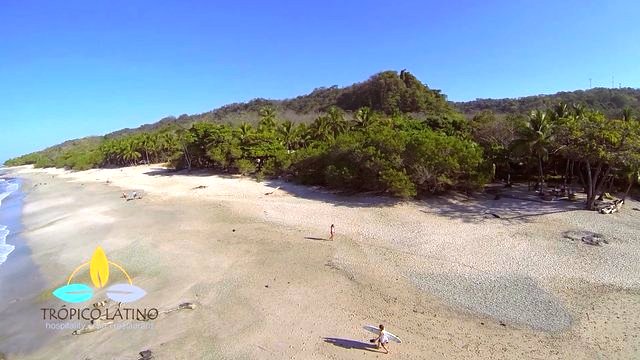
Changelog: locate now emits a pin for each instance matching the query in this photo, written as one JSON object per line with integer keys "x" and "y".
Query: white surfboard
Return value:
{"x": 376, "y": 330}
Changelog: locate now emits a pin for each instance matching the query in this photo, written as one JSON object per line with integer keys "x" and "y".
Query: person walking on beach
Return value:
{"x": 332, "y": 231}
{"x": 382, "y": 340}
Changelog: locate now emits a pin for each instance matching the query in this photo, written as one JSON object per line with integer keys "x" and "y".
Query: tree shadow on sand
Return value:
{"x": 351, "y": 344}
{"x": 160, "y": 171}
{"x": 336, "y": 198}
{"x": 512, "y": 207}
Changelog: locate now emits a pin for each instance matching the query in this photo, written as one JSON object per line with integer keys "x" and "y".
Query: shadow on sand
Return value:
{"x": 351, "y": 344}
{"x": 316, "y": 238}
{"x": 159, "y": 171}
{"x": 346, "y": 199}
{"x": 515, "y": 206}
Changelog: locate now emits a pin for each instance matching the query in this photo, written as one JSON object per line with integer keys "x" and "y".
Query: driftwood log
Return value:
{"x": 612, "y": 208}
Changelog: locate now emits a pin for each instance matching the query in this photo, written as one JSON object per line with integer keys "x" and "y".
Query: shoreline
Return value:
{"x": 20, "y": 278}
{"x": 8, "y": 186}
{"x": 255, "y": 263}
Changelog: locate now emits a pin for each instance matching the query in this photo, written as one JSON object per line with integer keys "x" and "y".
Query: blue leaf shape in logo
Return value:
{"x": 74, "y": 293}
{"x": 125, "y": 293}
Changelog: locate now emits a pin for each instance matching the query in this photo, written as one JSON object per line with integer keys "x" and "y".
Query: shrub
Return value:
{"x": 398, "y": 183}
{"x": 436, "y": 162}
{"x": 245, "y": 166}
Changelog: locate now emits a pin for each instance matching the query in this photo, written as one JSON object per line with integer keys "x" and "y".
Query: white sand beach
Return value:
{"x": 444, "y": 274}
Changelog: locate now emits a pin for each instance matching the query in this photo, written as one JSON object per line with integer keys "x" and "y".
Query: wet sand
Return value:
{"x": 20, "y": 283}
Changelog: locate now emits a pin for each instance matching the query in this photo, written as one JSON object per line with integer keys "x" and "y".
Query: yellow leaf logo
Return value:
{"x": 99, "y": 268}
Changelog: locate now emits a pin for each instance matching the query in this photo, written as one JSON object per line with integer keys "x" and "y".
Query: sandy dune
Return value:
{"x": 448, "y": 277}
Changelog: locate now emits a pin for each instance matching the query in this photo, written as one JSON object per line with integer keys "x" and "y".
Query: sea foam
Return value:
{"x": 7, "y": 186}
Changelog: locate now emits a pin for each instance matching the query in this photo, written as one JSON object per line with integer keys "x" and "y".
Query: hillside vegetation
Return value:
{"x": 610, "y": 102}
{"x": 390, "y": 134}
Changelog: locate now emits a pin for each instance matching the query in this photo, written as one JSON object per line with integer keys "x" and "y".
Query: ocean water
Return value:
{"x": 7, "y": 187}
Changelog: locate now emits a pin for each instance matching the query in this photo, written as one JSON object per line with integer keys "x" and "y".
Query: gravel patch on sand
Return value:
{"x": 509, "y": 300}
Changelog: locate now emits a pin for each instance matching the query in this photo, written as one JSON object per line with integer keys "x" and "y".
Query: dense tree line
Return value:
{"x": 396, "y": 136}
{"x": 399, "y": 155}
{"x": 575, "y": 146}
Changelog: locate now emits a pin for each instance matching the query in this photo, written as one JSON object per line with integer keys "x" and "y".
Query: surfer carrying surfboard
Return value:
{"x": 382, "y": 339}
{"x": 383, "y": 336}
{"x": 332, "y": 232}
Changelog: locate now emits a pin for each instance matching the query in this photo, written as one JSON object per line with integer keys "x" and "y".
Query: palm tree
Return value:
{"x": 130, "y": 152}
{"x": 320, "y": 129}
{"x": 185, "y": 138}
{"x": 244, "y": 132}
{"x": 535, "y": 139}
{"x": 627, "y": 114}
{"x": 304, "y": 135}
{"x": 579, "y": 110}
{"x": 267, "y": 118}
{"x": 336, "y": 122}
{"x": 155, "y": 146}
{"x": 288, "y": 134}
{"x": 168, "y": 144}
{"x": 363, "y": 118}
{"x": 148, "y": 144}
{"x": 109, "y": 150}
{"x": 560, "y": 111}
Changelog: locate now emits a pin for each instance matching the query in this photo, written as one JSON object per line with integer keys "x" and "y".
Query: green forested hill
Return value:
{"x": 382, "y": 92}
{"x": 610, "y": 102}
{"x": 386, "y": 92}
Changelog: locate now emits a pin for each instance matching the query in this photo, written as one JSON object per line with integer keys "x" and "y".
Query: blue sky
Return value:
{"x": 75, "y": 68}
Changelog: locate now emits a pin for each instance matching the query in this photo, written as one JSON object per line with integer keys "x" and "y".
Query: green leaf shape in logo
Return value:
{"x": 74, "y": 293}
